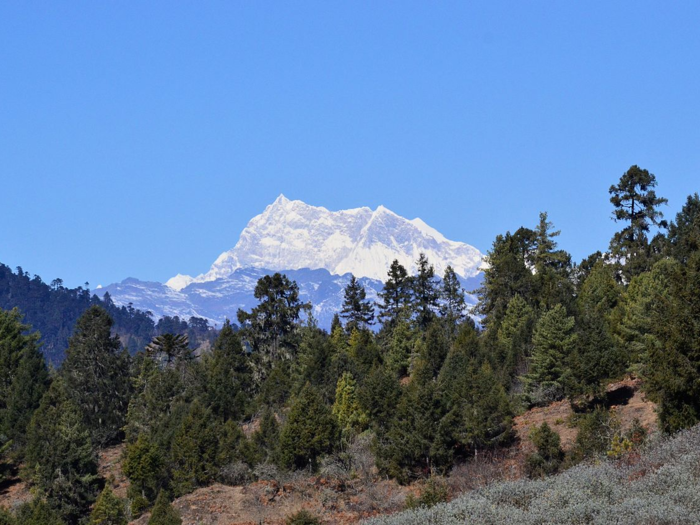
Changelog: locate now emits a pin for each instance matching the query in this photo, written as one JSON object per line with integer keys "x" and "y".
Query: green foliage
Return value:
{"x": 96, "y": 374}
{"x": 38, "y": 512}
{"x": 425, "y": 292}
{"x": 61, "y": 463}
{"x": 228, "y": 375}
{"x": 553, "y": 340}
{"x": 684, "y": 232}
{"x": 396, "y": 295}
{"x": 347, "y": 410}
{"x": 433, "y": 492}
{"x": 515, "y": 335}
{"x": 673, "y": 371}
{"x": 549, "y": 456}
{"x": 357, "y": 311}
{"x": 302, "y": 517}
{"x": 453, "y": 306}
{"x": 194, "y": 451}
{"x": 309, "y": 432}
{"x": 596, "y": 430}
{"x": 269, "y": 325}
{"x": 145, "y": 467}
{"x": 163, "y": 512}
{"x": 108, "y": 509}
{"x": 636, "y": 203}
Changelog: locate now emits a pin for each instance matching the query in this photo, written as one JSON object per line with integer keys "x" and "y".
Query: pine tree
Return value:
{"x": 23, "y": 377}
{"x": 170, "y": 349}
{"x": 347, "y": 410}
{"x": 193, "y": 451}
{"x": 108, "y": 509}
{"x": 229, "y": 377}
{"x": 269, "y": 325}
{"x": 357, "y": 311}
{"x": 553, "y": 340}
{"x": 309, "y": 432}
{"x": 395, "y": 296}
{"x": 635, "y": 202}
{"x": 453, "y": 306}
{"x": 515, "y": 335}
{"x": 549, "y": 455}
{"x": 552, "y": 267}
{"x": 96, "y": 373}
{"x": 425, "y": 292}
{"x": 145, "y": 468}
{"x": 61, "y": 462}
{"x": 163, "y": 512}
{"x": 684, "y": 232}
{"x": 37, "y": 512}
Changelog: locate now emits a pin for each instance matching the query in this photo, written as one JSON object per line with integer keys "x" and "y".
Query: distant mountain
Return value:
{"x": 291, "y": 235}
{"x": 317, "y": 248}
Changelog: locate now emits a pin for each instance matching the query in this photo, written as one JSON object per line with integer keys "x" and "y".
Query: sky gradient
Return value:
{"x": 138, "y": 140}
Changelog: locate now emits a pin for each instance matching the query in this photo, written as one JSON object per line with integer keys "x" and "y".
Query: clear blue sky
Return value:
{"x": 138, "y": 138}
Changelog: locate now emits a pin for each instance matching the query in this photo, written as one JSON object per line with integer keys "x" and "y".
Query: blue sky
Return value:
{"x": 138, "y": 138}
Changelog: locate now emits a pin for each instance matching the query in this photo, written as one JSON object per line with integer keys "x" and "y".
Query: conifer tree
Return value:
{"x": 23, "y": 377}
{"x": 357, "y": 311}
{"x": 515, "y": 335}
{"x": 37, "y": 512}
{"x": 309, "y": 432}
{"x": 145, "y": 468}
{"x": 163, "y": 512}
{"x": 396, "y": 295}
{"x": 425, "y": 292}
{"x": 61, "y": 462}
{"x": 193, "y": 451}
{"x": 553, "y": 340}
{"x": 96, "y": 374}
{"x": 229, "y": 377}
{"x": 549, "y": 455}
{"x": 170, "y": 350}
{"x": 684, "y": 232}
{"x": 635, "y": 203}
{"x": 269, "y": 325}
{"x": 453, "y": 307}
{"x": 108, "y": 509}
{"x": 347, "y": 410}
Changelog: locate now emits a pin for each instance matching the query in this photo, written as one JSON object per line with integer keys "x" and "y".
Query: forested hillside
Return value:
{"x": 53, "y": 310}
{"x": 428, "y": 393}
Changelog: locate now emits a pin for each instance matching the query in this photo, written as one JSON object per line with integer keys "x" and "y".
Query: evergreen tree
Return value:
{"x": 108, "y": 510}
{"x": 170, "y": 349}
{"x": 549, "y": 455}
{"x": 673, "y": 371}
{"x": 684, "y": 232}
{"x": 145, "y": 468}
{"x": 553, "y": 340}
{"x": 193, "y": 451}
{"x": 163, "y": 512}
{"x": 309, "y": 432}
{"x": 506, "y": 276}
{"x": 425, "y": 292}
{"x": 357, "y": 311}
{"x": 347, "y": 410}
{"x": 401, "y": 343}
{"x": 635, "y": 203}
{"x": 37, "y": 512}
{"x": 269, "y": 324}
{"x": 96, "y": 373}
{"x": 61, "y": 462}
{"x": 396, "y": 295}
{"x": 229, "y": 378}
{"x": 453, "y": 307}
{"x": 552, "y": 267}
{"x": 23, "y": 377}
{"x": 515, "y": 336}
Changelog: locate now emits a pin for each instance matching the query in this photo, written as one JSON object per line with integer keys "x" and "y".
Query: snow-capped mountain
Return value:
{"x": 317, "y": 248}
{"x": 291, "y": 235}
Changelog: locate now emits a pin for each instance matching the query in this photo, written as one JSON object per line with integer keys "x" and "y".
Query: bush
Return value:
{"x": 303, "y": 517}
{"x": 435, "y": 491}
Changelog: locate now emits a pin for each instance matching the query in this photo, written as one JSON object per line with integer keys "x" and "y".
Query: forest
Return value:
{"x": 416, "y": 382}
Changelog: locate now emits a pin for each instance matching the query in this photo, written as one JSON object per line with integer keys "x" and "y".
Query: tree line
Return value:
{"x": 426, "y": 391}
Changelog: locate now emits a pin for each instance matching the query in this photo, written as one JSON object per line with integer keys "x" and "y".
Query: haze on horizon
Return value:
{"x": 140, "y": 140}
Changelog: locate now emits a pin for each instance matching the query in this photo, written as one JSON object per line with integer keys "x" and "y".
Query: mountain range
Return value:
{"x": 317, "y": 248}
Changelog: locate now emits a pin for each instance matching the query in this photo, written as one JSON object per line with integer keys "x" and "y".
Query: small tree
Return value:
{"x": 549, "y": 455}
{"x": 108, "y": 510}
{"x": 425, "y": 292}
{"x": 163, "y": 512}
{"x": 395, "y": 296}
{"x": 357, "y": 311}
{"x": 309, "y": 432}
{"x": 453, "y": 307}
{"x": 351, "y": 418}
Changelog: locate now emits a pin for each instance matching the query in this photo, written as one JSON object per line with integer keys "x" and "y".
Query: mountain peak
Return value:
{"x": 358, "y": 241}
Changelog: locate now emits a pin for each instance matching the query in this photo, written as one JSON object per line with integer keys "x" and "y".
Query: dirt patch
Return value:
{"x": 110, "y": 468}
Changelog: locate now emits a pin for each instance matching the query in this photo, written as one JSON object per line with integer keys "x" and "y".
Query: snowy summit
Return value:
{"x": 292, "y": 235}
